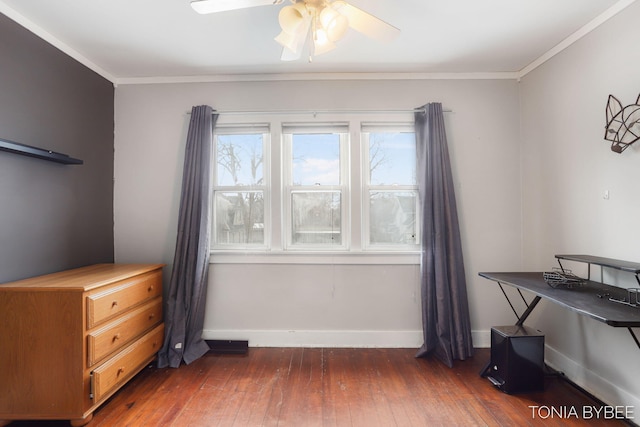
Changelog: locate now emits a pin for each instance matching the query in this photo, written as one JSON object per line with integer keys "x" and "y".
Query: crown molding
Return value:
{"x": 54, "y": 41}
{"x": 579, "y": 34}
{"x": 218, "y": 78}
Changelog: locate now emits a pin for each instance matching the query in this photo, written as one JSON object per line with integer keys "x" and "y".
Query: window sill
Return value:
{"x": 347, "y": 258}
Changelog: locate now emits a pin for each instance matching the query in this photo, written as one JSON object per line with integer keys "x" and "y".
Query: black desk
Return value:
{"x": 593, "y": 299}
{"x": 597, "y": 300}
{"x": 590, "y": 299}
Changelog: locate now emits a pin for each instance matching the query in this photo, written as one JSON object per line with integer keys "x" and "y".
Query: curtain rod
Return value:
{"x": 315, "y": 112}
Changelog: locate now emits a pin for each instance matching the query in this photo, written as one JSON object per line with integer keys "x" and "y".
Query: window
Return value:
{"x": 315, "y": 165}
{"x": 341, "y": 187}
{"x": 240, "y": 196}
{"x": 391, "y": 195}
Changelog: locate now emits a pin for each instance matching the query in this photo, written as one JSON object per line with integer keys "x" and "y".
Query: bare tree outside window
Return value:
{"x": 377, "y": 158}
{"x": 239, "y": 199}
{"x": 318, "y": 199}
{"x": 392, "y": 188}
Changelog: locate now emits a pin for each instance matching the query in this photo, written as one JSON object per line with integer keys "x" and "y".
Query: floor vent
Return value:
{"x": 228, "y": 346}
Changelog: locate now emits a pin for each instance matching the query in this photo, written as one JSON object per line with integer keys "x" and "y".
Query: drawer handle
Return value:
{"x": 150, "y": 288}
{"x": 114, "y": 304}
{"x": 120, "y": 371}
{"x": 151, "y": 316}
{"x": 116, "y": 337}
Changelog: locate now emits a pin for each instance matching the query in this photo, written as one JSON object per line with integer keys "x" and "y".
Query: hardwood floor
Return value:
{"x": 333, "y": 387}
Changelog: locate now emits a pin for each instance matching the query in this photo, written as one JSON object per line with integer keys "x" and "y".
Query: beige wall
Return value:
{"x": 336, "y": 303}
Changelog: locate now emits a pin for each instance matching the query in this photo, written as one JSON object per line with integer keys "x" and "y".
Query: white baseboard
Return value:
{"x": 356, "y": 339}
{"x": 353, "y": 339}
{"x": 481, "y": 339}
{"x": 604, "y": 390}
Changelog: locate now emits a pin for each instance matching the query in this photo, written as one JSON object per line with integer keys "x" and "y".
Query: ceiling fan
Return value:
{"x": 321, "y": 22}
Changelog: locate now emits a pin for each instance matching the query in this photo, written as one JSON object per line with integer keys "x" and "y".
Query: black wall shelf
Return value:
{"x": 27, "y": 150}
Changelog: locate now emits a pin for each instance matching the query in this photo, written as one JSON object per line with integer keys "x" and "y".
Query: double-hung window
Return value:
{"x": 316, "y": 165}
{"x": 340, "y": 187}
{"x": 240, "y": 188}
{"x": 390, "y": 196}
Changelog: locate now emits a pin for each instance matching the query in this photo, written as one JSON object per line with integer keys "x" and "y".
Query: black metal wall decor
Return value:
{"x": 623, "y": 124}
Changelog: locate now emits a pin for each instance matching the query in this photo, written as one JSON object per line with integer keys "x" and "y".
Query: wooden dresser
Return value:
{"x": 69, "y": 340}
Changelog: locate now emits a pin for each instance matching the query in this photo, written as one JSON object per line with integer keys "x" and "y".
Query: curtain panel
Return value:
{"x": 185, "y": 303}
{"x": 445, "y": 311}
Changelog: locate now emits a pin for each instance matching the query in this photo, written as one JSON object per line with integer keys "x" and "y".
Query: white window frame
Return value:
{"x": 288, "y": 130}
{"x": 367, "y": 188}
{"x": 277, "y": 250}
{"x": 265, "y": 188}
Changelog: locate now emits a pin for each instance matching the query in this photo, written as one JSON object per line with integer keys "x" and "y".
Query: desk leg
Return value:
{"x": 528, "y": 311}
{"x": 508, "y": 300}
{"x": 635, "y": 338}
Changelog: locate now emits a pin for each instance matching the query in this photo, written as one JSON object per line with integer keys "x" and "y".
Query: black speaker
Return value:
{"x": 517, "y": 359}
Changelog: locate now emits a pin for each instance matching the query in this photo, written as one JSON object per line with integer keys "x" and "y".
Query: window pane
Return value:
{"x": 316, "y": 218}
{"x": 393, "y": 217}
{"x": 316, "y": 159}
{"x": 239, "y": 159}
{"x": 392, "y": 158}
{"x": 239, "y": 217}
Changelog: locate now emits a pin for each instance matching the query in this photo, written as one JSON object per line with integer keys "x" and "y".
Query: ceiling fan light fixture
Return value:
{"x": 293, "y": 42}
{"x": 286, "y": 40}
{"x": 320, "y": 37}
{"x": 335, "y": 24}
{"x": 322, "y": 45}
{"x": 310, "y": 25}
{"x": 291, "y": 18}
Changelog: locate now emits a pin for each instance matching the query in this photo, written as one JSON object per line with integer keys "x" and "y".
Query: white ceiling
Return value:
{"x": 137, "y": 39}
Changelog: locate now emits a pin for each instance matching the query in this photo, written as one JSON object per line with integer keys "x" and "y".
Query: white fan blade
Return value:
{"x": 366, "y": 23}
{"x": 289, "y": 55}
{"x": 213, "y": 6}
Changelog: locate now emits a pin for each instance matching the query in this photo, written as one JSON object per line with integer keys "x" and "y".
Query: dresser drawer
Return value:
{"x": 105, "y": 305}
{"x": 121, "y": 331}
{"x": 108, "y": 376}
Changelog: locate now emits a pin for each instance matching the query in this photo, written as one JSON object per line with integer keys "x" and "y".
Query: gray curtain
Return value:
{"x": 185, "y": 305}
{"x": 445, "y": 309}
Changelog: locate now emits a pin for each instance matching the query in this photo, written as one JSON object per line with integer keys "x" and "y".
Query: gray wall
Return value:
{"x": 566, "y": 168}
{"x": 53, "y": 217}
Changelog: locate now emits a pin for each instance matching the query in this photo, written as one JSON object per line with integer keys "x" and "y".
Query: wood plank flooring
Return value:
{"x": 303, "y": 387}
